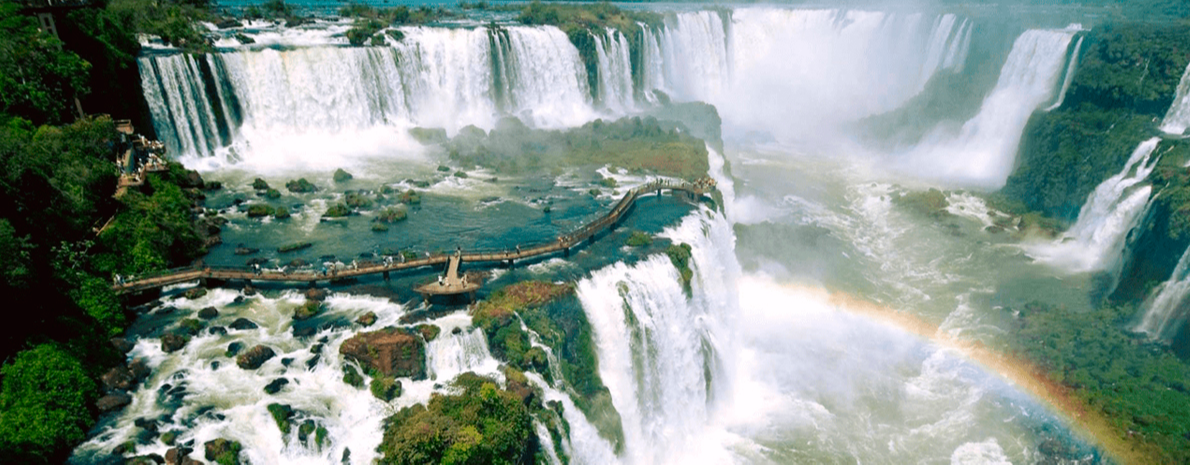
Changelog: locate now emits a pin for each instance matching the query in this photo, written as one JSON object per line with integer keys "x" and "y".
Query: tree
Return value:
{"x": 39, "y": 80}
{"x": 44, "y": 405}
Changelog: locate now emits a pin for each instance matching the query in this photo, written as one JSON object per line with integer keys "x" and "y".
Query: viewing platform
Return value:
{"x": 450, "y": 284}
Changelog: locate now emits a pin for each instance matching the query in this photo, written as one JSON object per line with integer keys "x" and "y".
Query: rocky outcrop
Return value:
{"x": 173, "y": 342}
{"x": 208, "y": 313}
{"x": 222, "y": 451}
{"x": 242, "y": 324}
{"x": 391, "y": 351}
{"x": 275, "y": 386}
{"x": 118, "y": 378}
{"x": 113, "y": 401}
{"x": 366, "y": 319}
{"x": 342, "y": 176}
{"x": 255, "y": 357}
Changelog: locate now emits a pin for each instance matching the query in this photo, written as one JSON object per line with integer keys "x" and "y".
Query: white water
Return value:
{"x": 319, "y": 103}
{"x": 800, "y": 72}
{"x": 1178, "y": 118}
{"x": 1097, "y": 239}
{"x": 1070, "y": 69}
{"x": 983, "y": 151}
{"x": 615, "y": 72}
{"x": 1166, "y": 311}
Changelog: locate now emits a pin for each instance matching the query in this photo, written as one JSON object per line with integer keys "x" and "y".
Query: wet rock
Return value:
{"x": 173, "y": 342}
{"x": 238, "y": 300}
{"x": 317, "y": 295}
{"x": 254, "y": 357}
{"x": 122, "y": 345}
{"x": 113, "y": 401}
{"x": 147, "y": 424}
{"x": 429, "y": 332}
{"x": 140, "y": 370}
{"x": 367, "y": 319}
{"x": 297, "y": 263}
{"x": 346, "y": 459}
{"x": 307, "y": 310}
{"x": 385, "y": 388}
{"x": 195, "y": 293}
{"x": 456, "y": 331}
{"x": 281, "y": 415}
{"x": 217, "y": 330}
{"x": 275, "y": 386}
{"x": 234, "y": 349}
{"x": 310, "y": 364}
{"x": 222, "y": 451}
{"x": 317, "y": 348}
{"x": 300, "y": 186}
{"x": 118, "y": 378}
{"x": 165, "y": 310}
{"x": 342, "y": 176}
{"x": 243, "y": 324}
{"x": 169, "y": 438}
{"x": 246, "y": 251}
{"x": 352, "y": 377}
{"x": 178, "y": 456}
{"x": 392, "y": 351}
{"x": 214, "y": 365}
{"x": 249, "y": 291}
{"x": 208, "y": 313}
{"x": 286, "y": 361}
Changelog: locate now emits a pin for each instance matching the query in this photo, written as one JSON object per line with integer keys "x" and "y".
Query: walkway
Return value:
{"x": 562, "y": 244}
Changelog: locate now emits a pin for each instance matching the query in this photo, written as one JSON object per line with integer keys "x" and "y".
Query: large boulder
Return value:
{"x": 113, "y": 401}
{"x": 392, "y": 351}
{"x": 118, "y": 378}
{"x": 222, "y": 451}
{"x": 173, "y": 342}
{"x": 253, "y": 358}
{"x": 243, "y": 324}
{"x": 342, "y": 176}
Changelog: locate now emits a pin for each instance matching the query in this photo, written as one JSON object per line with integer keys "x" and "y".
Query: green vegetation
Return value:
{"x": 554, "y": 313}
{"x": 281, "y": 414}
{"x": 301, "y": 186}
{"x": 679, "y": 254}
{"x": 392, "y": 215}
{"x": 482, "y": 424}
{"x": 639, "y": 145}
{"x": 258, "y": 210}
{"x": 357, "y": 200}
{"x": 1142, "y": 388}
{"x": 639, "y": 239}
{"x": 342, "y": 176}
{"x": 260, "y": 184}
{"x": 44, "y": 405}
{"x": 337, "y": 210}
{"x": 37, "y": 78}
{"x": 352, "y": 377}
{"x": 386, "y": 388}
{"x": 281, "y": 213}
{"x": 370, "y": 20}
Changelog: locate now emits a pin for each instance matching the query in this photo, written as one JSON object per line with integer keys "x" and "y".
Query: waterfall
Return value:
{"x": 982, "y": 152}
{"x": 307, "y": 102}
{"x": 1070, "y": 69}
{"x": 1097, "y": 239}
{"x": 450, "y": 355}
{"x": 1178, "y": 118}
{"x": 1166, "y": 311}
{"x": 615, "y": 72}
{"x": 660, "y": 350}
{"x": 799, "y": 71}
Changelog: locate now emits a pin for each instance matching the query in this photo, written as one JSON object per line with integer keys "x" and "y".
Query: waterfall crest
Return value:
{"x": 615, "y": 72}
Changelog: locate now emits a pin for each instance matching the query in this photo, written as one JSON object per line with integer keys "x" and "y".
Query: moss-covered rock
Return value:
{"x": 391, "y": 351}
{"x": 307, "y": 310}
{"x": 392, "y": 214}
{"x": 301, "y": 186}
{"x": 367, "y": 319}
{"x": 258, "y": 210}
{"x": 428, "y": 332}
{"x": 260, "y": 184}
{"x": 931, "y": 203}
{"x": 281, "y": 213}
{"x": 639, "y": 239}
{"x": 385, "y": 388}
{"x": 357, "y": 200}
{"x": 352, "y": 377}
{"x": 679, "y": 255}
{"x": 379, "y": 227}
{"x": 222, "y": 451}
{"x": 342, "y": 176}
{"x": 410, "y": 197}
{"x": 281, "y": 414}
{"x": 338, "y": 210}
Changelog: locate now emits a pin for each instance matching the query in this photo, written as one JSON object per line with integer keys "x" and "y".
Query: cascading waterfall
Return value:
{"x": 799, "y": 71}
{"x": 309, "y": 100}
{"x": 1097, "y": 239}
{"x": 1178, "y": 118}
{"x": 984, "y": 149}
{"x": 1166, "y": 312}
{"x": 615, "y": 71}
{"x": 1070, "y": 69}
{"x": 660, "y": 349}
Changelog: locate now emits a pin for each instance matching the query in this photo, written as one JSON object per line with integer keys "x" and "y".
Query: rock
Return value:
{"x": 217, "y": 330}
{"x": 352, "y": 377}
{"x": 243, "y": 324}
{"x": 254, "y": 357}
{"x": 122, "y": 345}
{"x": 260, "y": 184}
{"x": 195, "y": 293}
{"x": 272, "y": 194}
{"x": 315, "y": 294}
{"x": 386, "y": 388}
{"x": 113, "y": 401}
{"x": 140, "y": 370}
{"x": 208, "y": 313}
{"x": 281, "y": 415}
{"x": 342, "y": 176}
{"x": 234, "y": 349}
{"x": 275, "y": 386}
{"x": 429, "y": 332}
{"x": 281, "y": 213}
{"x": 222, "y": 451}
{"x": 307, "y": 310}
{"x": 177, "y": 455}
{"x": 245, "y": 251}
{"x": 338, "y": 210}
{"x": 169, "y": 438}
{"x": 118, "y": 378}
{"x": 173, "y": 342}
{"x": 392, "y": 351}
{"x": 367, "y": 319}
{"x": 301, "y": 186}
{"x": 286, "y": 361}
{"x": 259, "y": 210}
{"x": 249, "y": 291}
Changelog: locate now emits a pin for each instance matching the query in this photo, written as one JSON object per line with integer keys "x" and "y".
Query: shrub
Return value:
{"x": 44, "y": 405}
